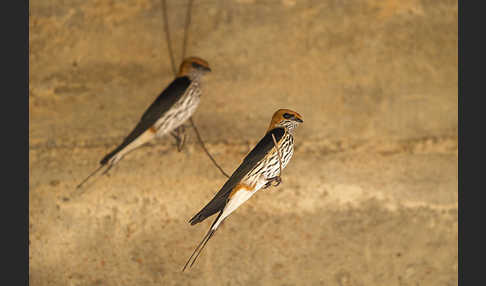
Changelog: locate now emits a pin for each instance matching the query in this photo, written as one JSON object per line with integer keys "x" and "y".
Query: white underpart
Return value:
{"x": 244, "y": 194}
{"x": 238, "y": 198}
{"x": 180, "y": 112}
{"x": 173, "y": 118}
{"x": 142, "y": 139}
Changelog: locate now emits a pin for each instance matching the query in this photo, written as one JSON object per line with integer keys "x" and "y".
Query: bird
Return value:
{"x": 175, "y": 104}
{"x": 260, "y": 169}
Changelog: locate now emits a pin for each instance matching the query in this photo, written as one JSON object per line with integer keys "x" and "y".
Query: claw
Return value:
{"x": 181, "y": 142}
{"x": 180, "y": 137}
{"x": 276, "y": 179}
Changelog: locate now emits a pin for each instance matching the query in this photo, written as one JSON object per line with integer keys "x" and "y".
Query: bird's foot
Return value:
{"x": 180, "y": 137}
{"x": 276, "y": 179}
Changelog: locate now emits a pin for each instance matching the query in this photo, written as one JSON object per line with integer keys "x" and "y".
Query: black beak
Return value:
{"x": 298, "y": 120}
{"x": 207, "y": 69}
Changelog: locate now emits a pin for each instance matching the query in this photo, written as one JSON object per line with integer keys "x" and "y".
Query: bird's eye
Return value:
{"x": 287, "y": 115}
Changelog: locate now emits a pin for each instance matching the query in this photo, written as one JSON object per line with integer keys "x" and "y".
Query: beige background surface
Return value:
{"x": 369, "y": 198}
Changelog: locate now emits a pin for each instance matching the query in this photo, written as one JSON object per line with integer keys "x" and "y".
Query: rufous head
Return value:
{"x": 286, "y": 118}
{"x": 193, "y": 66}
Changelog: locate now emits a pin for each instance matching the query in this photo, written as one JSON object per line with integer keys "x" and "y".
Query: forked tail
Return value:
{"x": 202, "y": 244}
{"x": 90, "y": 175}
{"x": 94, "y": 172}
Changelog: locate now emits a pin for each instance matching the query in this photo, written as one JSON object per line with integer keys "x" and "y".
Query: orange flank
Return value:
{"x": 239, "y": 187}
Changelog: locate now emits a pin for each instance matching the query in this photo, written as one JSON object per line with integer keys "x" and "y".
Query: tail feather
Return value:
{"x": 199, "y": 248}
{"x": 110, "y": 165}
{"x": 134, "y": 140}
{"x": 202, "y": 244}
{"x": 217, "y": 204}
{"x": 90, "y": 175}
{"x": 110, "y": 155}
{"x": 202, "y": 247}
{"x": 202, "y": 215}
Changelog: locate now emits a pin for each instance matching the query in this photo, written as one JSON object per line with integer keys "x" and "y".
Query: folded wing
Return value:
{"x": 164, "y": 102}
{"x": 218, "y": 202}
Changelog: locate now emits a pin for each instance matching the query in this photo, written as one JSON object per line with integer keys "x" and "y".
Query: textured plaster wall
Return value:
{"x": 369, "y": 198}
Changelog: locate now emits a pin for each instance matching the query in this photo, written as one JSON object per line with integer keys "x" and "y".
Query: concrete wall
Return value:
{"x": 370, "y": 197}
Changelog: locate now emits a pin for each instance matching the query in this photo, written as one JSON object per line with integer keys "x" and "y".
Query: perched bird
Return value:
{"x": 167, "y": 113}
{"x": 259, "y": 169}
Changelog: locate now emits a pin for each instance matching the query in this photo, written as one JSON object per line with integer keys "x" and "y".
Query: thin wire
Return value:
{"x": 186, "y": 27}
{"x": 167, "y": 36}
{"x": 171, "y": 54}
{"x": 206, "y": 150}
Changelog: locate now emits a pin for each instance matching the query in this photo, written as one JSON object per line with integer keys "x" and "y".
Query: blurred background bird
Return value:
{"x": 166, "y": 114}
{"x": 259, "y": 169}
